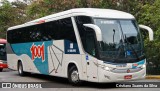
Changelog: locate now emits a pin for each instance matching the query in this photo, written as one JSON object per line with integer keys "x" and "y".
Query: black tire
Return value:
{"x": 1, "y": 69}
{"x": 73, "y": 76}
{"x": 20, "y": 69}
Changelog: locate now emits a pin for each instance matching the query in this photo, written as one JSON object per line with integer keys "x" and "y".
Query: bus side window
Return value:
{"x": 90, "y": 42}
{"x": 86, "y": 34}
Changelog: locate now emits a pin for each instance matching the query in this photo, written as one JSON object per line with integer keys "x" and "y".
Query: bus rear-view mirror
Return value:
{"x": 150, "y": 31}
{"x": 96, "y": 29}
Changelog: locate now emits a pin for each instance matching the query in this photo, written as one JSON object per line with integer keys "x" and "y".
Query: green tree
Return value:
{"x": 150, "y": 15}
{"x": 5, "y": 17}
{"x": 11, "y": 14}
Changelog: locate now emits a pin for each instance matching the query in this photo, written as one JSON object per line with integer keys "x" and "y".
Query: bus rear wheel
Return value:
{"x": 73, "y": 76}
{"x": 1, "y": 70}
{"x": 20, "y": 69}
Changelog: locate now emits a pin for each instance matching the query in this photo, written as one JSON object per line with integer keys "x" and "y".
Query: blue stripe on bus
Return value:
{"x": 25, "y": 48}
{"x": 42, "y": 65}
{"x": 138, "y": 63}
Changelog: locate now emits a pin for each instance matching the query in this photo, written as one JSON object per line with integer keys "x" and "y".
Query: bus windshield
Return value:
{"x": 2, "y": 52}
{"x": 121, "y": 41}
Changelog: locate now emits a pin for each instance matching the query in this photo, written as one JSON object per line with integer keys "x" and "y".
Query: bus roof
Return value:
{"x": 3, "y": 41}
{"x": 93, "y": 12}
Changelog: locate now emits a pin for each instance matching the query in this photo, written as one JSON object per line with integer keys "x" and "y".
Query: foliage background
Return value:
{"x": 146, "y": 12}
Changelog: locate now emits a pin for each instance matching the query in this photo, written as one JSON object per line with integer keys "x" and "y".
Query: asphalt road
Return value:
{"x": 62, "y": 84}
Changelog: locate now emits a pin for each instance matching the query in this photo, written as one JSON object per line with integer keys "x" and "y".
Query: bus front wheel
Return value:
{"x": 73, "y": 76}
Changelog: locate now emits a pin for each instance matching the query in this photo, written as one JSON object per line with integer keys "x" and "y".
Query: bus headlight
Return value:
{"x": 107, "y": 68}
{"x": 143, "y": 66}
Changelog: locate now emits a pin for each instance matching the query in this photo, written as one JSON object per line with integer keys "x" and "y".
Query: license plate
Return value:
{"x": 128, "y": 77}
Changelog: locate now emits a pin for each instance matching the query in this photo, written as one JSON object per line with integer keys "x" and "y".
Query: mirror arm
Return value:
{"x": 150, "y": 31}
{"x": 96, "y": 29}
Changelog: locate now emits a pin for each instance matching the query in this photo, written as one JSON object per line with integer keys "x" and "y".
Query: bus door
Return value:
{"x": 91, "y": 61}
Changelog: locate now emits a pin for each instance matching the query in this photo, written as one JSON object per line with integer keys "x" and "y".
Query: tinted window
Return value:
{"x": 60, "y": 29}
{"x": 87, "y": 34}
{"x": 90, "y": 43}
{"x": 2, "y": 52}
{"x": 55, "y": 30}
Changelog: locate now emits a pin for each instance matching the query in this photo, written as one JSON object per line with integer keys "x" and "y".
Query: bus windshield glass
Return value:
{"x": 2, "y": 52}
{"x": 121, "y": 41}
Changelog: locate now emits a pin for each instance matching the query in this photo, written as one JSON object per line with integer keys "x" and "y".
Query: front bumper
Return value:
{"x": 107, "y": 76}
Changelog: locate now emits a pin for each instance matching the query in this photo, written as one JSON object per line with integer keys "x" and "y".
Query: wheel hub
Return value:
{"x": 75, "y": 76}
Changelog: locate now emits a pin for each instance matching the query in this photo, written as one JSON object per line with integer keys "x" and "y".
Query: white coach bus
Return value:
{"x": 83, "y": 44}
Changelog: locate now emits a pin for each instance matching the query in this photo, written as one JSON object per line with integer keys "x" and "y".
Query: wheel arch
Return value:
{"x": 70, "y": 64}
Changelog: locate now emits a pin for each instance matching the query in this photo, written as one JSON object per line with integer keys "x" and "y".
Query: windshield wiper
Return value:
{"x": 113, "y": 34}
{"x": 135, "y": 53}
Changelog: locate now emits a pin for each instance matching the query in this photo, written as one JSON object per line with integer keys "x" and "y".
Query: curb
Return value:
{"x": 153, "y": 77}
